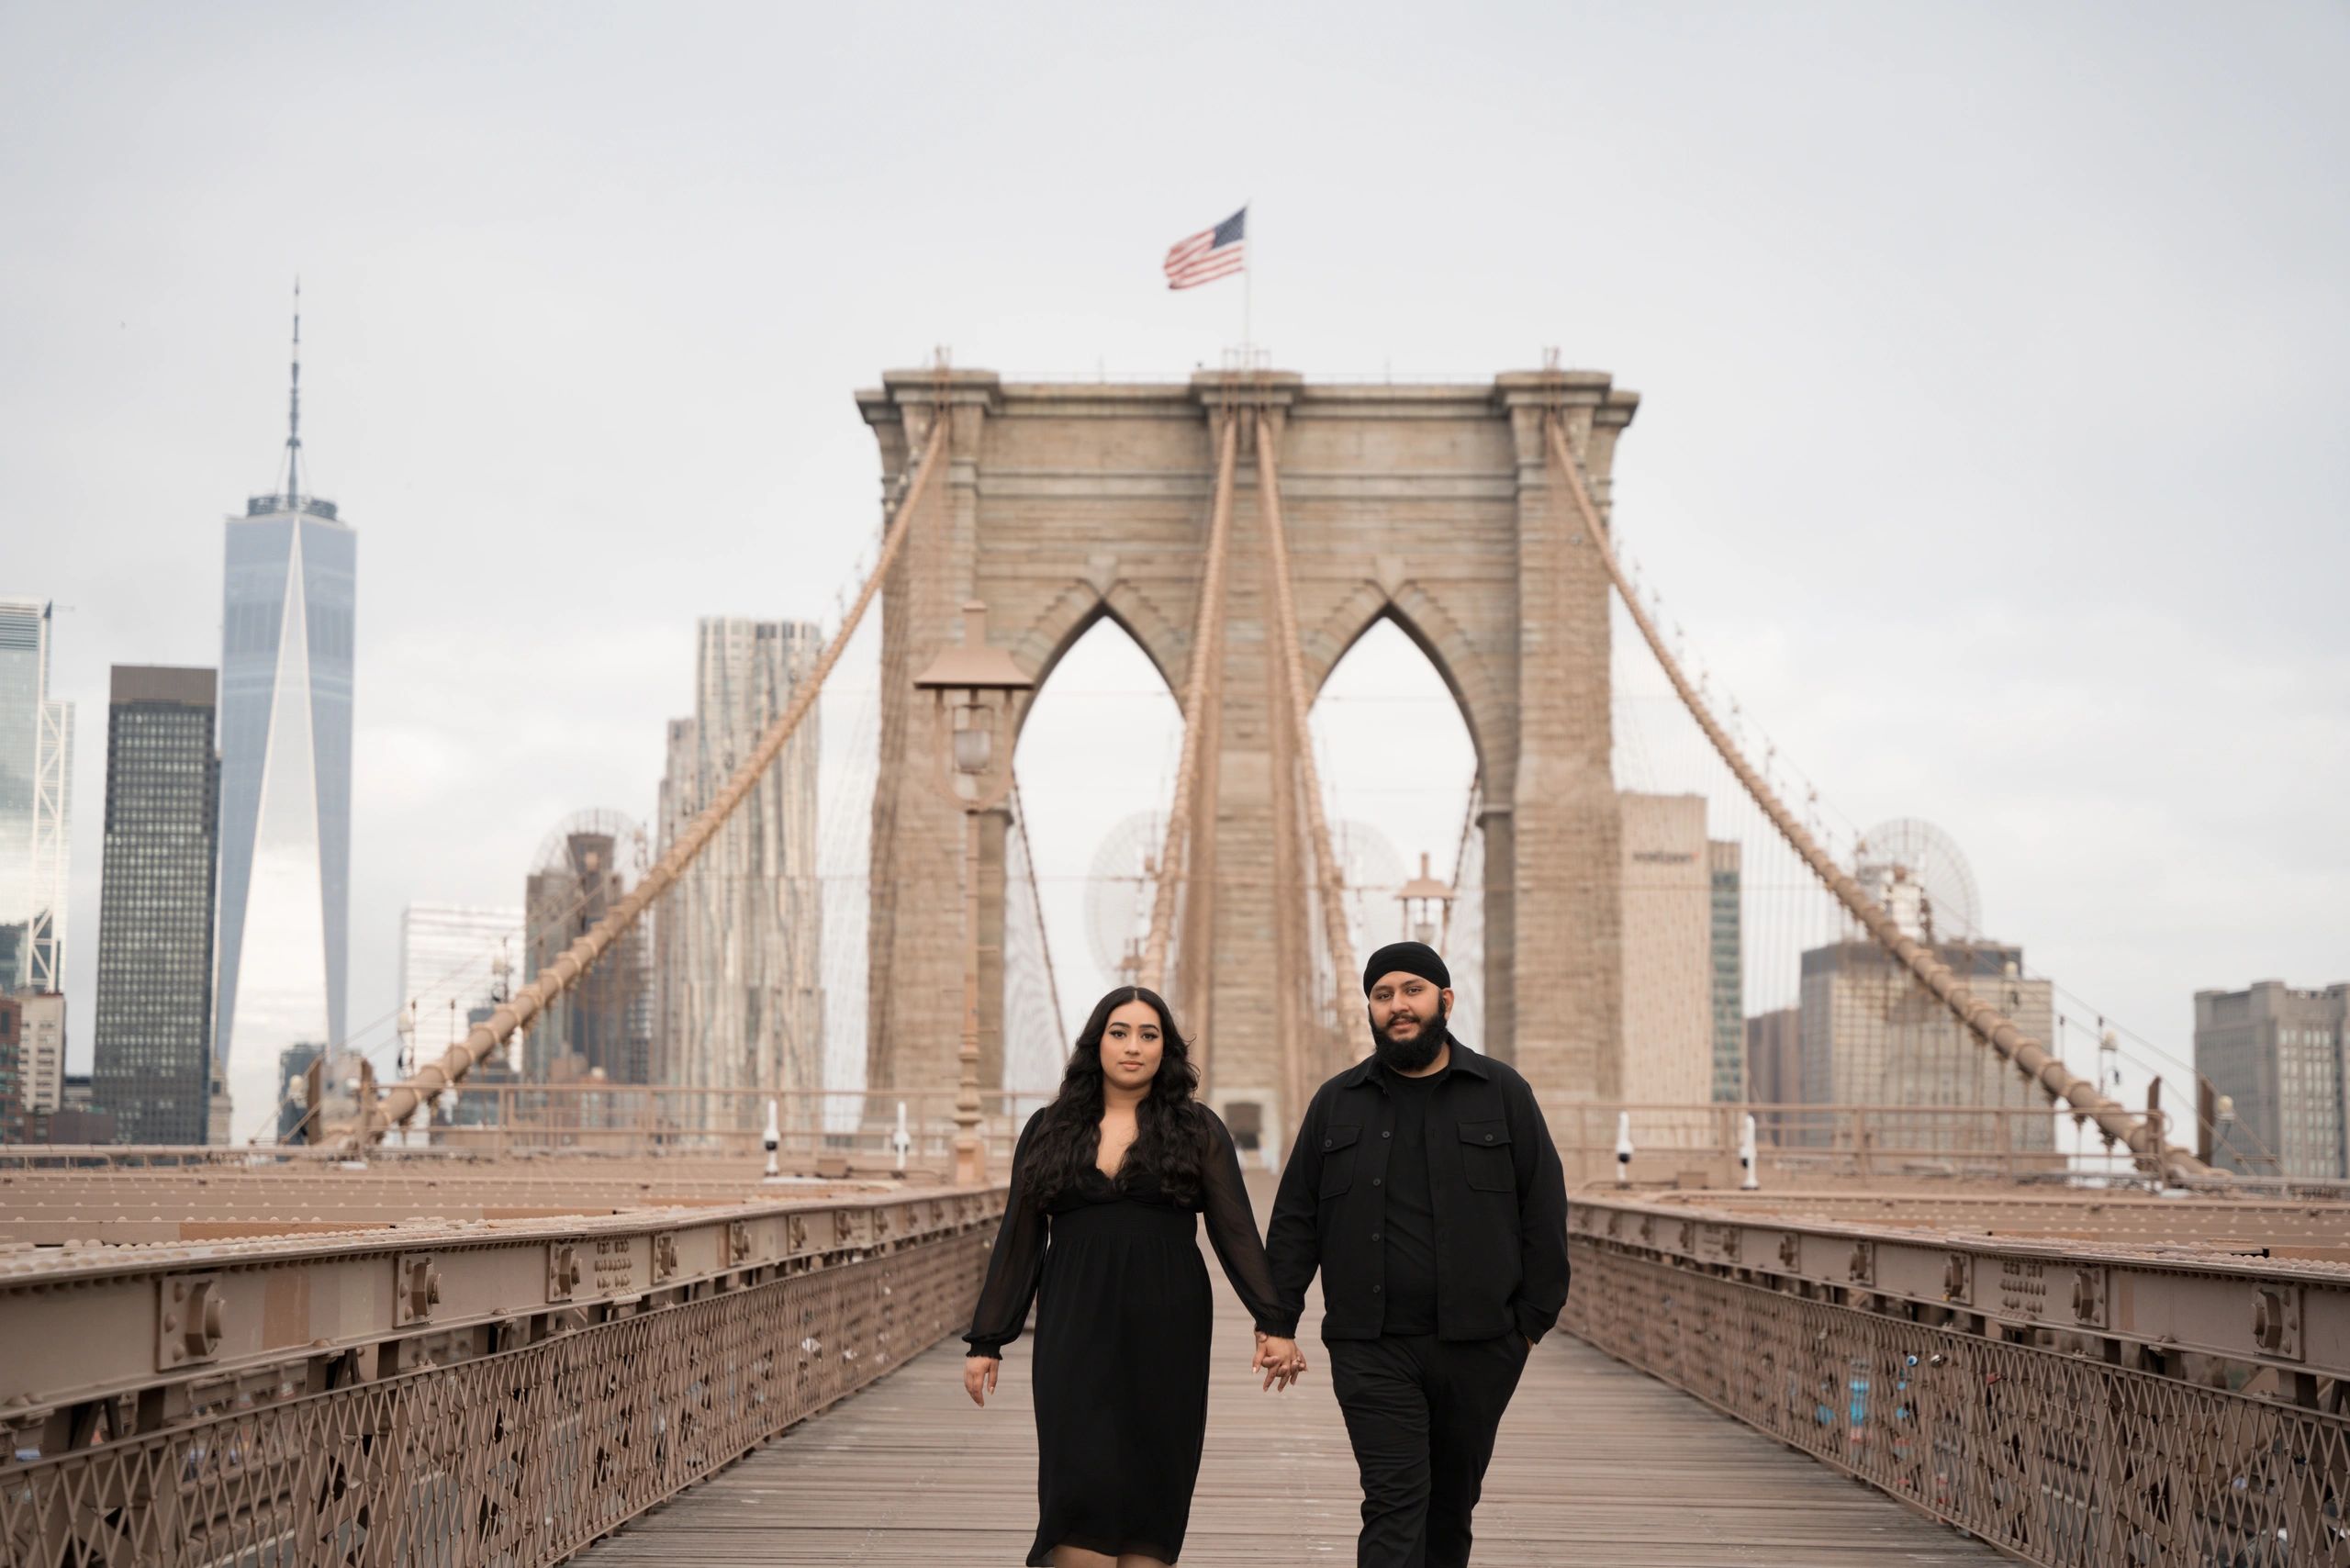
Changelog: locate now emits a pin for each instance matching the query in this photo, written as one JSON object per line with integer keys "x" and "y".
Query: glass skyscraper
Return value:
{"x": 286, "y": 668}
{"x": 36, "y": 785}
{"x": 153, "y": 1029}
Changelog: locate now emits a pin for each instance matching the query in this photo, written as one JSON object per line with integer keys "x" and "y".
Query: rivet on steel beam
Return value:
{"x": 2274, "y": 1327}
{"x": 192, "y": 1329}
{"x": 563, "y": 1270}
{"x": 419, "y": 1287}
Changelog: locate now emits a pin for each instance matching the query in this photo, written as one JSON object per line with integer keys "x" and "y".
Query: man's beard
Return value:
{"x": 1411, "y": 1053}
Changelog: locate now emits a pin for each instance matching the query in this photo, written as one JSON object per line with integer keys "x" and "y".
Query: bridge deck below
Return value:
{"x": 1597, "y": 1464}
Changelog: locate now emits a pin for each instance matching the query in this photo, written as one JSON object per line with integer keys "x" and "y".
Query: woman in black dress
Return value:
{"x": 1098, "y": 1231}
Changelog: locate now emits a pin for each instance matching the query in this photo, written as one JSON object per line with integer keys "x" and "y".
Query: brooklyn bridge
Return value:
{"x": 2000, "y": 1315}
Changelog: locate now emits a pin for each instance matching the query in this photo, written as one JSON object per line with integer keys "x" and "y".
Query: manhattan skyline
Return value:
{"x": 1953, "y": 386}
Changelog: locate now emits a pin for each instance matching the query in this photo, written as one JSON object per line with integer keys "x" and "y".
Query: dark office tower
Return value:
{"x": 154, "y": 1027}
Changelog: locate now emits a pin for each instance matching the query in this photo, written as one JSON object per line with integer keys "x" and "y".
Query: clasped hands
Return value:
{"x": 1281, "y": 1360}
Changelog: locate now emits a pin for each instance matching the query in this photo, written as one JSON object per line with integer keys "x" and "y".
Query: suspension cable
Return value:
{"x": 1043, "y": 938}
{"x": 484, "y": 1038}
{"x": 1327, "y": 874}
{"x": 1987, "y": 1023}
{"x": 1207, "y": 650}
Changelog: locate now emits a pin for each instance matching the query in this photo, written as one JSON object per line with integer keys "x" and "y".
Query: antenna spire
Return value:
{"x": 294, "y": 410}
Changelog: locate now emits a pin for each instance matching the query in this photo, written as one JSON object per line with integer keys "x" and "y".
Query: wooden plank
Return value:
{"x": 1596, "y": 1463}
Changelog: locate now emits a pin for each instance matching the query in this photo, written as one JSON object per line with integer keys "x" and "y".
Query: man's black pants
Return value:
{"x": 1421, "y": 1413}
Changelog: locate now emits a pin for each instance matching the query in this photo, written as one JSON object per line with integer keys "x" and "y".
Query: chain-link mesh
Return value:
{"x": 517, "y": 1458}
{"x": 2060, "y": 1459}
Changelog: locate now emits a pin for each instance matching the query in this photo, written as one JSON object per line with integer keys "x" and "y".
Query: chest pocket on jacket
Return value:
{"x": 1338, "y": 1154}
{"x": 1484, "y": 1156}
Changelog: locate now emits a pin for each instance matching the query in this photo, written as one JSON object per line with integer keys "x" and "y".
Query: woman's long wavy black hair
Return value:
{"x": 1167, "y": 1144}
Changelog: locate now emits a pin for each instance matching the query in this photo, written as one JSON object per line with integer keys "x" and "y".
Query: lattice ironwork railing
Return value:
{"x": 2059, "y": 1457}
{"x": 517, "y": 1458}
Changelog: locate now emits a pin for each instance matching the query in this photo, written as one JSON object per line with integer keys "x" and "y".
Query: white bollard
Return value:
{"x": 774, "y": 1142}
{"x": 901, "y": 1140}
{"x": 1623, "y": 1149}
{"x": 1751, "y": 1180}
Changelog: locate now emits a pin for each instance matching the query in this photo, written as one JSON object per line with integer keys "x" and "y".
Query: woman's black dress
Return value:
{"x": 1123, "y": 1324}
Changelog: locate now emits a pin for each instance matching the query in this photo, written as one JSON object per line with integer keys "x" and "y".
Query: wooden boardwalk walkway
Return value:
{"x": 1596, "y": 1464}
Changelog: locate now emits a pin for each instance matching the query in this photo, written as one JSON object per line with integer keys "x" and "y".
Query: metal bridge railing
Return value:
{"x": 646, "y": 1119}
{"x": 1805, "y": 1142}
{"x": 2075, "y": 1404}
{"x": 449, "y": 1395}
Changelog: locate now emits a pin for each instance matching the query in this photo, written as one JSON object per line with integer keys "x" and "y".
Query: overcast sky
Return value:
{"x": 1992, "y": 361}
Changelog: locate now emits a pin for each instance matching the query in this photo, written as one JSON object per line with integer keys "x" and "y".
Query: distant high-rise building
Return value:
{"x": 602, "y": 1026}
{"x": 1728, "y": 952}
{"x": 1774, "y": 1068}
{"x": 36, "y": 794}
{"x": 286, "y": 689}
{"x": 739, "y": 943}
{"x": 13, "y": 1114}
{"x": 154, "y": 1025}
{"x": 293, "y": 1107}
{"x": 1874, "y": 1036}
{"x": 454, "y": 959}
{"x": 2278, "y": 1053}
{"x": 1668, "y": 953}
{"x": 41, "y": 1066}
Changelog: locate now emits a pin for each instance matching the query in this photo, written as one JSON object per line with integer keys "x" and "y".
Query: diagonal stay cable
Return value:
{"x": 485, "y": 1037}
{"x": 1207, "y": 649}
{"x": 1987, "y": 1023}
{"x": 1329, "y": 878}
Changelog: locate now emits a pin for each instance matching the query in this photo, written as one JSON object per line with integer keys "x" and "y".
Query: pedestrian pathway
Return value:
{"x": 1596, "y": 1464}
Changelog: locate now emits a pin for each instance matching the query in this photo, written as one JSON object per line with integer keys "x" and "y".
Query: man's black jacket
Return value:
{"x": 1495, "y": 1179}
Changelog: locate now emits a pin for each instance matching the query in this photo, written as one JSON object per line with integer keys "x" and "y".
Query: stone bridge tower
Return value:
{"x": 1429, "y": 505}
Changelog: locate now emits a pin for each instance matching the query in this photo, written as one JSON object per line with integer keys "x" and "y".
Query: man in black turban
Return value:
{"x": 1425, "y": 1187}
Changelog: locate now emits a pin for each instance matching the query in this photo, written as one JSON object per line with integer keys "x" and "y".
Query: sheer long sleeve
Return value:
{"x": 1232, "y": 1230}
{"x": 1016, "y": 1265}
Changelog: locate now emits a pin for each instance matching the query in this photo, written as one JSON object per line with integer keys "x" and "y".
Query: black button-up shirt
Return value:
{"x": 1494, "y": 1180}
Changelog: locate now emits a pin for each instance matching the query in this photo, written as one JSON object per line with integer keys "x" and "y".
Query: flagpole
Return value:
{"x": 1247, "y": 292}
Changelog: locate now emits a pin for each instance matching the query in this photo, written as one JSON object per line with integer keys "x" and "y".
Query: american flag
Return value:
{"x": 1210, "y": 255}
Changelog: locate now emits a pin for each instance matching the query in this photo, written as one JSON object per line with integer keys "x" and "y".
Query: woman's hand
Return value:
{"x": 979, "y": 1377}
{"x": 1279, "y": 1359}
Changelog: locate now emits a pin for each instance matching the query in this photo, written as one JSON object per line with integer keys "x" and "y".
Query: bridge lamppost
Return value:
{"x": 973, "y": 688}
{"x": 1425, "y": 901}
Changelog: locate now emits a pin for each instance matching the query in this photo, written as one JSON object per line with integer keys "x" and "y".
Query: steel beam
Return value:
{"x": 138, "y": 1338}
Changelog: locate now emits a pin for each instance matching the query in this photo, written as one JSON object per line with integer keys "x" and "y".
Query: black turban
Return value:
{"x": 1413, "y": 959}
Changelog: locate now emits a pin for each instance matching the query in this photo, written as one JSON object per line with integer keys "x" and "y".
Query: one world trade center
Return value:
{"x": 286, "y": 660}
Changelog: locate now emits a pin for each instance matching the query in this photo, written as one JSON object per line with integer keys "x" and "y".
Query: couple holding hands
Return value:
{"x": 1422, "y": 1184}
